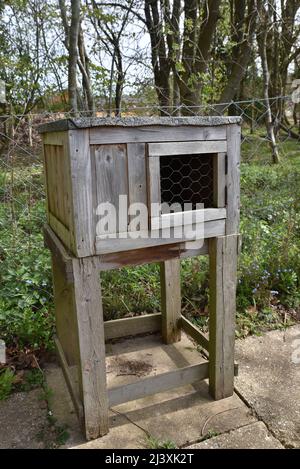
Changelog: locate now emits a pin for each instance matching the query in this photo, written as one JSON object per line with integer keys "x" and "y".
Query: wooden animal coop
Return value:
{"x": 149, "y": 162}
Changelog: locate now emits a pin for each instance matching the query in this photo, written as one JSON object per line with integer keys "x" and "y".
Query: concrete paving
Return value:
{"x": 269, "y": 380}
{"x": 253, "y": 436}
{"x": 182, "y": 416}
{"x": 264, "y": 412}
{"x": 22, "y": 420}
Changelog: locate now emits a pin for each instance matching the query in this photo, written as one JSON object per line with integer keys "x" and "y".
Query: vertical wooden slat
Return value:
{"x": 233, "y": 178}
{"x": 219, "y": 179}
{"x": 112, "y": 179}
{"x": 170, "y": 300}
{"x": 83, "y": 230}
{"x": 223, "y": 265}
{"x": 46, "y": 180}
{"x": 66, "y": 327}
{"x": 137, "y": 187}
{"x": 89, "y": 315}
{"x": 154, "y": 191}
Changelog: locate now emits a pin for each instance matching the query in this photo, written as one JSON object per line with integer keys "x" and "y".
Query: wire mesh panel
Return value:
{"x": 187, "y": 179}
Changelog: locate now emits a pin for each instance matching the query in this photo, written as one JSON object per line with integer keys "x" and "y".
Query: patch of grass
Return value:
{"x": 7, "y": 378}
{"x": 210, "y": 434}
{"x": 33, "y": 379}
{"x": 154, "y": 443}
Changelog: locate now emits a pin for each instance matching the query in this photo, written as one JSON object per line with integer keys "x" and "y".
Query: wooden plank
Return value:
{"x": 187, "y": 148}
{"x": 69, "y": 380}
{"x": 62, "y": 232}
{"x": 155, "y": 384}
{"x": 110, "y": 135}
{"x": 106, "y": 246}
{"x": 170, "y": 300}
{"x": 222, "y": 309}
{"x": 233, "y": 178}
{"x": 177, "y": 218}
{"x": 46, "y": 177}
{"x": 65, "y": 317}
{"x": 57, "y": 172}
{"x": 154, "y": 192}
{"x": 219, "y": 179}
{"x": 149, "y": 255}
{"x": 89, "y": 314}
{"x": 83, "y": 230}
{"x": 194, "y": 332}
{"x": 54, "y": 138}
{"x": 121, "y": 259}
{"x": 112, "y": 181}
{"x": 59, "y": 252}
{"x": 137, "y": 180}
{"x": 132, "y": 326}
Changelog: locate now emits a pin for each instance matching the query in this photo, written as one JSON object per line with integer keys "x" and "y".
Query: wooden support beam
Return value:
{"x": 170, "y": 300}
{"x": 125, "y": 327}
{"x": 223, "y": 265}
{"x": 59, "y": 252}
{"x": 90, "y": 324}
{"x": 155, "y": 384}
{"x": 233, "y": 179}
{"x": 194, "y": 332}
{"x": 69, "y": 380}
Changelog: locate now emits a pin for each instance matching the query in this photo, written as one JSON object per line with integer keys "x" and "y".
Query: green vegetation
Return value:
{"x": 269, "y": 270}
{"x": 7, "y": 378}
{"x": 154, "y": 443}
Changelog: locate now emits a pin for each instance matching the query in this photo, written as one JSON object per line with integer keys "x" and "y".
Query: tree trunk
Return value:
{"x": 243, "y": 34}
{"x": 73, "y": 55}
{"x": 262, "y": 44}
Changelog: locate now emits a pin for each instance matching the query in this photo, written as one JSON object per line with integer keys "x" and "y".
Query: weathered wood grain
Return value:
{"x": 110, "y": 135}
{"x": 106, "y": 246}
{"x": 111, "y": 182}
{"x": 62, "y": 232}
{"x": 83, "y": 229}
{"x": 170, "y": 300}
{"x": 233, "y": 179}
{"x": 125, "y": 327}
{"x": 155, "y": 384}
{"x": 187, "y": 148}
{"x": 222, "y": 309}
{"x": 219, "y": 179}
{"x": 177, "y": 218}
{"x": 89, "y": 316}
{"x": 69, "y": 380}
{"x": 191, "y": 330}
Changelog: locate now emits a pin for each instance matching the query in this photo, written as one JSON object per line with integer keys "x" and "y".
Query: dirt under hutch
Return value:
{"x": 150, "y": 160}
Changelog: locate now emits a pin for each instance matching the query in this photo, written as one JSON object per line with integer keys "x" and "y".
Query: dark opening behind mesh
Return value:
{"x": 187, "y": 179}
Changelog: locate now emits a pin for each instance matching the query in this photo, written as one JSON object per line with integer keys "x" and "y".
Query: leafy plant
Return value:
{"x": 154, "y": 443}
{"x": 7, "y": 378}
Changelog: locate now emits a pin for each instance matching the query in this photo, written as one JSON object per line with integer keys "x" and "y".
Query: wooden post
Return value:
{"x": 223, "y": 252}
{"x": 170, "y": 300}
{"x": 66, "y": 327}
{"x": 89, "y": 315}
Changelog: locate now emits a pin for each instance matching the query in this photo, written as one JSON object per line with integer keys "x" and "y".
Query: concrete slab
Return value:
{"x": 269, "y": 379}
{"x": 22, "y": 418}
{"x": 183, "y": 415}
{"x": 253, "y": 436}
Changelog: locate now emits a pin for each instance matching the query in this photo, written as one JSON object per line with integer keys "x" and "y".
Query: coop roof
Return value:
{"x": 84, "y": 122}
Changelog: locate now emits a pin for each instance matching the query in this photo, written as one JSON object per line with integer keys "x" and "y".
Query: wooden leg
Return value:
{"x": 66, "y": 325}
{"x": 223, "y": 265}
{"x": 170, "y": 300}
{"x": 89, "y": 315}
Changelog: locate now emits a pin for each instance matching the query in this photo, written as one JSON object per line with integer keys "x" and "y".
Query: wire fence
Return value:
{"x": 22, "y": 195}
